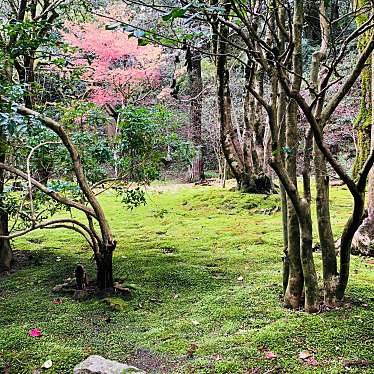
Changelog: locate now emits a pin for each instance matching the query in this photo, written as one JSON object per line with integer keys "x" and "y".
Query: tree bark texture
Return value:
{"x": 196, "y": 169}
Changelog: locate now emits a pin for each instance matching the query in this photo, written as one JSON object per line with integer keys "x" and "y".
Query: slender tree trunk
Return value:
{"x": 326, "y": 237}
{"x": 281, "y": 122}
{"x": 300, "y": 259}
{"x": 196, "y": 170}
{"x": 309, "y": 271}
{"x": 5, "y": 247}
{"x": 292, "y": 297}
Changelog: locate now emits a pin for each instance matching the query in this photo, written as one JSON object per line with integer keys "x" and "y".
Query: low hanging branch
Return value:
{"x": 102, "y": 244}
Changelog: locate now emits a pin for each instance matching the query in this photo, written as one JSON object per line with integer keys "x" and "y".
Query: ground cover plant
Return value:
{"x": 204, "y": 268}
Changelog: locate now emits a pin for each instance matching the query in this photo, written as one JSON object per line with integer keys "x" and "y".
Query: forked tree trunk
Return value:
{"x": 238, "y": 154}
{"x": 104, "y": 243}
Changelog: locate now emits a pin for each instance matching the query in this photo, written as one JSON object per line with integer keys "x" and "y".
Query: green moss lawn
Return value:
{"x": 204, "y": 266}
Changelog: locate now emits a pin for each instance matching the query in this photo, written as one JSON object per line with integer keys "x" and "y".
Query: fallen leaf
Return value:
{"x": 48, "y": 364}
{"x": 270, "y": 355}
{"x": 35, "y": 333}
{"x": 194, "y": 322}
{"x": 57, "y": 301}
{"x": 304, "y": 355}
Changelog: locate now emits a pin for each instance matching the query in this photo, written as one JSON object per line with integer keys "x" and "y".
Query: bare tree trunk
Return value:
{"x": 5, "y": 247}
{"x": 326, "y": 237}
{"x": 345, "y": 245}
{"x": 196, "y": 170}
{"x": 104, "y": 266}
{"x": 309, "y": 271}
{"x": 292, "y": 297}
{"x": 300, "y": 259}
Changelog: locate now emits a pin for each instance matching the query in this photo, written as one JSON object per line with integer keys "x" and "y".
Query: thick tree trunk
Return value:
{"x": 104, "y": 275}
{"x": 363, "y": 239}
{"x": 196, "y": 170}
{"x": 363, "y": 121}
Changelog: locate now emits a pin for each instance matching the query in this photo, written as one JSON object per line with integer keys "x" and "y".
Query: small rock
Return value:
{"x": 99, "y": 365}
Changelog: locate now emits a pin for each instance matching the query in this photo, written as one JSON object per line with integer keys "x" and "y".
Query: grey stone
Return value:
{"x": 99, "y": 365}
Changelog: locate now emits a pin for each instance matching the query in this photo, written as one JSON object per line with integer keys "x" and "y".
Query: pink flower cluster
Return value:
{"x": 116, "y": 65}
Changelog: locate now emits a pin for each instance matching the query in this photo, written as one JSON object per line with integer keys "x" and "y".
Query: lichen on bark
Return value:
{"x": 362, "y": 123}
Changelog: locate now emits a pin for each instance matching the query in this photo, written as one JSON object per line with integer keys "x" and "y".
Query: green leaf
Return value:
{"x": 142, "y": 42}
{"x": 176, "y": 13}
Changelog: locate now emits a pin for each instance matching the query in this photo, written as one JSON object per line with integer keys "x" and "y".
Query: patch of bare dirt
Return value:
{"x": 22, "y": 259}
{"x": 175, "y": 187}
{"x": 152, "y": 362}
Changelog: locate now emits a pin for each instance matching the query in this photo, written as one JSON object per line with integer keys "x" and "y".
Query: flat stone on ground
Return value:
{"x": 99, "y": 365}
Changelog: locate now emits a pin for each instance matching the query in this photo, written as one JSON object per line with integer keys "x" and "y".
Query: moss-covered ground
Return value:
{"x": 204, "y": 266}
